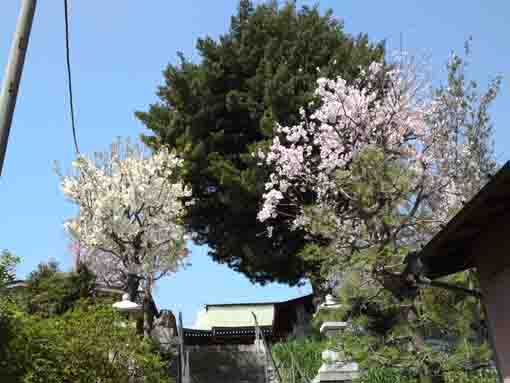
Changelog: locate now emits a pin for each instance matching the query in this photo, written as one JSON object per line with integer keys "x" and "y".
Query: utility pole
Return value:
{"x": 13, "y": 73}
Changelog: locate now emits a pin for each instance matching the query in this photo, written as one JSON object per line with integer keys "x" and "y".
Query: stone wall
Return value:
{"x": 227, "y": 363}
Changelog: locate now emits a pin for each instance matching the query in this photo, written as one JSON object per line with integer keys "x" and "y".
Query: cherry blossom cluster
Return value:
{"x": 130, "y": 211}
{"x": 383, "y": 123}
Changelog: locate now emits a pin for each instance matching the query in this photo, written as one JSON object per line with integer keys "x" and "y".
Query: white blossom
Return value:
{"x": 130, "y": 212}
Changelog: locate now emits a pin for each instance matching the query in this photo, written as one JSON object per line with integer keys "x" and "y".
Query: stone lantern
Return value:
{"x": 335, "y": 368}
{"x": 127, "y": 307}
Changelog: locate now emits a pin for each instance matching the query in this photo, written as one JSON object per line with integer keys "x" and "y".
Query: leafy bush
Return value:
{"x": 85, "y": 344}
{"x": 8, "y": 262}
{"x": 385, "y": 375}
{"x": 52, "y": 292}
{"x": 482, "y": 376}
{"x": 299, "y": 360}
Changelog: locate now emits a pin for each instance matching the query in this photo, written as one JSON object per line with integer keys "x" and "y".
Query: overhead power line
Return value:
{"x": 69, "y": 78}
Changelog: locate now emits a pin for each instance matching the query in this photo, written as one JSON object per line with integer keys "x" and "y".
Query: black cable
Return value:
{"x": 70, "y": 85}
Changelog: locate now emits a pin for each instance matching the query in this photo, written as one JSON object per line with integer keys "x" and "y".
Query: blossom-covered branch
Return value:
{"x": 381, "y": 161}
{"x": 130, "y": 211}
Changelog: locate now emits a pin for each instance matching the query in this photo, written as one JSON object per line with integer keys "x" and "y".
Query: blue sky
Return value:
{"x": 118, "y": 52}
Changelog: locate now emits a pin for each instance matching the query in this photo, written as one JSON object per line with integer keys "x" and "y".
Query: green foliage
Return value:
{"x": 388, "y": 375}
{"x": 85, "y": 344}
{"x": 13, "y": 345}
{"x": 55, "y": 330}
{"x": 385, "y": 375}
{"x": 435, "y": 332}
{"x": 8, "y": 262}
{"x": 484, "y": 376}
{"x": 298, "y": 360}
{"x": 215, "y": 114}
{"x": 52, "y": 292}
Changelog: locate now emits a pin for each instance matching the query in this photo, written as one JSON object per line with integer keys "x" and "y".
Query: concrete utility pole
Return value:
{"x": 13, "y": 72}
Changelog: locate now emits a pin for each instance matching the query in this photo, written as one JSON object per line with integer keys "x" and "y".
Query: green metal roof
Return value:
{"x": 235, "y": 315}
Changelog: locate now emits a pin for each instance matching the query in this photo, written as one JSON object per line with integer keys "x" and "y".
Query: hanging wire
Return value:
{"x": 69, "y": 81}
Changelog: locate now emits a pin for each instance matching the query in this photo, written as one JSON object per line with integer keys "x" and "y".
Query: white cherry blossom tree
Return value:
{"x": 129, "y": 218}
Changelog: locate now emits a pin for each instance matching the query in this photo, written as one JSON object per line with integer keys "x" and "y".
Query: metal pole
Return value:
{"x": 182, "y": 366}
{"x": 267, "y": 348}
{"x": 13, "y": 73}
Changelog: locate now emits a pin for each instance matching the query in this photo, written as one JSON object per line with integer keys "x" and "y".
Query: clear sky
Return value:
{"x": 119, "y": 49}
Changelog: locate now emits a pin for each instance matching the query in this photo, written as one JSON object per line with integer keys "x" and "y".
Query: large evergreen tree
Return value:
{"x": 216, "y": 113}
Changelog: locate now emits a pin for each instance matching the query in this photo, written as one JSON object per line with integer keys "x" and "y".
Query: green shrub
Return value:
{"x": 85, "y": 344}
{"x": 385, "y": 375}
{"x": 482, "y": 376}
{"x": 299, "y": 360}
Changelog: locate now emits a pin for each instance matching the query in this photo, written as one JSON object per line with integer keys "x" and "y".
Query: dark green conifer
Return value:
{"x": 215, "y": 113}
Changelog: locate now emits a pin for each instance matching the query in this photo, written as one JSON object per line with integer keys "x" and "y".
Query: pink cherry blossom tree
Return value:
{"x": 381, "y": 162}
{"x": 364, "y": 154}
{"x": 372, "y": 171}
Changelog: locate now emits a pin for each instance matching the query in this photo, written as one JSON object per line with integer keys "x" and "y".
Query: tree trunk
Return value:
{"x": 418, "y": 339}
{"x": 425, "y": 375}
{"x": 480, "y": 327}
{"x": 133, "y": 282}
{"x": 318, "y": 289}
{"x": 147, "y": 311}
